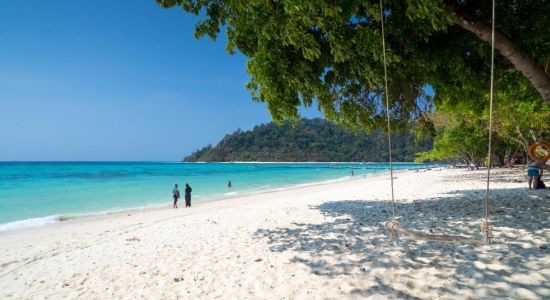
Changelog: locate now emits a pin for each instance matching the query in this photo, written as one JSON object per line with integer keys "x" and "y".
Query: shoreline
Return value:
{"x": 319, "y": 241}
{"x": 60, "y": 219}
{"x": 303, "y": 162}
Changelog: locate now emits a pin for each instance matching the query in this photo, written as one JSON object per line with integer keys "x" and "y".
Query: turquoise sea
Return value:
{"x": 37, "y": 193}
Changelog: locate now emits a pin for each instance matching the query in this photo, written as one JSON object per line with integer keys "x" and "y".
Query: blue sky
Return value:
{"x": 115, "y": 80}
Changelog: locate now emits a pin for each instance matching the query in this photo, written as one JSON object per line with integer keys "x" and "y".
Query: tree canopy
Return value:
{"x": 461, "y": 130}
{"x": 309, "y": 140}
{"x": 330, "y": 51}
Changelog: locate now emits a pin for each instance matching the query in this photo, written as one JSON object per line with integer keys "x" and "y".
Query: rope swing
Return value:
{"x": 485, "y": 227}
{"x": 393, "y": 226}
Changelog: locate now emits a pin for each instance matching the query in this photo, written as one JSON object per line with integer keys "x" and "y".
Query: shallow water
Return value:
{"x": 35, "y": 193}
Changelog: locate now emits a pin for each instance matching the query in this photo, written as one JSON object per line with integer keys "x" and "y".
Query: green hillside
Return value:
{"x": 308, "y": 140}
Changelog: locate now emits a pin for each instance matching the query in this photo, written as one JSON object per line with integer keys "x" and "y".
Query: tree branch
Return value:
{"x": 519, "y": 58}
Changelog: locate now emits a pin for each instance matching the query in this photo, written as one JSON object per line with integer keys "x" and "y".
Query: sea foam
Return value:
{"x": 27, "y": 223}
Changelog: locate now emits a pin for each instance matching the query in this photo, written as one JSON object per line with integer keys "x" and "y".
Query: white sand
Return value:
{"x": 323, "y": 241}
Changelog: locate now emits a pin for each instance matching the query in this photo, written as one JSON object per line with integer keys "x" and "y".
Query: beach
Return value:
{"x": 324, "y": 241}
{"x": 38, "y": 193}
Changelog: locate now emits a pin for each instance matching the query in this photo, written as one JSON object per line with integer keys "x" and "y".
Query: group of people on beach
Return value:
{"x": 188, "y": 190}
{"x": 534, "y": 172}
{"x": 176, "y": 195}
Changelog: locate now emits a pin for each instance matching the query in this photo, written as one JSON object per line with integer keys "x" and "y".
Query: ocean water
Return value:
{"x": 37, "y": 193}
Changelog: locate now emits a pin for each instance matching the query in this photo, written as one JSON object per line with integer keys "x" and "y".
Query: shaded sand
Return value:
{"x": 324, "y": 241}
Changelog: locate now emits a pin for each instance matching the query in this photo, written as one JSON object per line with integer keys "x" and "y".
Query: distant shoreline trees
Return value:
{"x": 314, "y": 140}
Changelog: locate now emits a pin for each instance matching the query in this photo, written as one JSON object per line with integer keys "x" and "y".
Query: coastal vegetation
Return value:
{"x": 329, "y": 54}
{"x": 308, "y": 140}
{"x": 461, "y": 131}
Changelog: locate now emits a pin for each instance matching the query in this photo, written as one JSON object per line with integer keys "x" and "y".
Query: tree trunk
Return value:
{"x": 466, "y": 161}
{"x": 519, "y": 58}
{"x": 506, "y": 158}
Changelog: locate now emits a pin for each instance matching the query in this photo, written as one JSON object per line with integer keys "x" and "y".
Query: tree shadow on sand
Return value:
{"x": 352, "y": 242}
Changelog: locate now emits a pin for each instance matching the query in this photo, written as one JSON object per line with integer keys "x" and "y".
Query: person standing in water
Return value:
{"x": 176, "y": 195}
{"x": 187, "y": 195}
{"x": 229, "y": 184}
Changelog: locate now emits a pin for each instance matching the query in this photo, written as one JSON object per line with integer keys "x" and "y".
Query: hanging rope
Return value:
{"x": 392, "y": 225}
{"x": 485, "y": 228}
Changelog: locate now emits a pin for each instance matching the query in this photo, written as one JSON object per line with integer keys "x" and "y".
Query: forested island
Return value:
{"x": 309, "y": 140}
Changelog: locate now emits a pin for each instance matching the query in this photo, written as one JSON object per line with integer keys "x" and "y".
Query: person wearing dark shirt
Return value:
{"x": 187, "y": 195}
